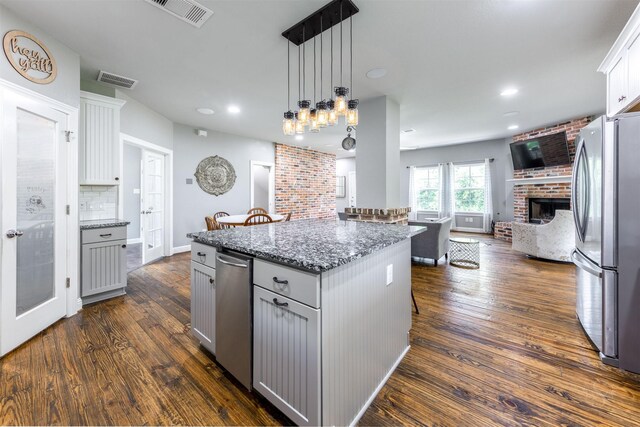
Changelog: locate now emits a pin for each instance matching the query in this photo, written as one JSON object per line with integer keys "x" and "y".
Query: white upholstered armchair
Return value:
{"x": 554, "y": 240}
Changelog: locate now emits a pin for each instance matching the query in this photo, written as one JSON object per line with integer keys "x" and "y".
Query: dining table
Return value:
{"x": 238, "y": 220}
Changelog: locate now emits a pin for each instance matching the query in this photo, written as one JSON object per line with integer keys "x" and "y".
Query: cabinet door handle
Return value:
{"x": 282, "y": 282}
{"x": 211, "y": 280}
{"x": 622, "y": 98}
{"x": 201, "y": 254}
{"x": 106, "y": 235}
{"x": 280, "y": 304}
{"x": 124, "y": 246}
{"x": 117, "y": 179}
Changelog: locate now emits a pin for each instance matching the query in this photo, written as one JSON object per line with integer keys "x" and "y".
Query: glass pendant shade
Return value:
{"x": 352, "y": 113}
{"x": 313, "y": 122}
{"x": 299, "y": 126}
{"x": 341, "y": 101}
{"x": 332, "y": 116}
{"x": 303, "y": 112}
{"x": 288, "y": 123}
{"x": 323, "y": 114}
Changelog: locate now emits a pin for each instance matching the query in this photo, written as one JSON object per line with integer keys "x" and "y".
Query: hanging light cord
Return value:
{"x": 288, "y": 75}
{"x": 314, "y": 71}
{"x": 299, "y": 80}
{"x": 351, "y": 53}
{"x": 321, "y": 55}
{"x": 304, "y": 66}
{"x": 331, "y": 88}
{"x": 340, "y": 43}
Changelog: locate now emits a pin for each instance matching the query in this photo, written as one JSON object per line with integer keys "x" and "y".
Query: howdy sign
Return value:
{"x": 30, "y": 57}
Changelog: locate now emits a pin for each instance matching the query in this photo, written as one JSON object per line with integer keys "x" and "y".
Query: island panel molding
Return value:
{"x": 30, "y": 57}
{"x": 215, "y": 175}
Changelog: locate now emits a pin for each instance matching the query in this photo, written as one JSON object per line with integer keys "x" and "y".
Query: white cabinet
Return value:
{"x": 104, "y": 265}
{"x": 633, "y": 66}
{"x": 286, "y": 355}
{"x": 203, "y": 304}
{"x": 99, "y": 142}
{"x": 617, "y": 97}
{"x": 622, "y": 67}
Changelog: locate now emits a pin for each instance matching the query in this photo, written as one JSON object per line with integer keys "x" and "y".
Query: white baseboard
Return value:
{"x": 180, "y": 249}
{"x": 134, "y": 240}
{"x": 469, "y": 230}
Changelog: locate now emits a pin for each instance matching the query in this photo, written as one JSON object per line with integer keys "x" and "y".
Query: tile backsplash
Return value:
{"x": 98, "y": 202}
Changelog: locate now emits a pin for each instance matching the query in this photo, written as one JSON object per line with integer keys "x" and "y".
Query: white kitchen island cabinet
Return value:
{"x": 331, "y": 312}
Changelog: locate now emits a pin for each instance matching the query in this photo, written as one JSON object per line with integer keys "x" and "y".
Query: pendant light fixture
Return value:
{"x": 321, "y": 113}
{"x": 288, "y": 123}
{"x": 352, "y": 105}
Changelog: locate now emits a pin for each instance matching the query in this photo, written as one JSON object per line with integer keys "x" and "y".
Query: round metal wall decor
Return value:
{"x": 215, "y": 175}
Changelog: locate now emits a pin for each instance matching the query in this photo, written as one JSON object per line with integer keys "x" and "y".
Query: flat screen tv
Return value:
{"x": 544, "y": 151}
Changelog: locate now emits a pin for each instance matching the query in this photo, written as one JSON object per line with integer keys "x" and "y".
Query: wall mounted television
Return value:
{"x": 543, "y": 151}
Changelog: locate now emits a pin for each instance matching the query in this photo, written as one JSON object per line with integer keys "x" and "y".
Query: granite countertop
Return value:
{"x": 315, "y": 245}
{"x": 102, "y": 223}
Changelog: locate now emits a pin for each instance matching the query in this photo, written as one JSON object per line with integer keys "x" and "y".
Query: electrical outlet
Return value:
{"x": 389, "y": 274}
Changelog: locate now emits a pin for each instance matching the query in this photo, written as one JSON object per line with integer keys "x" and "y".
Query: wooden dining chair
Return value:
{"x": 256, "y": 211}
{"x": 211, "y": 222}
{"x": 258, "y": 218}
{"x": 287, "y": 217}
{"x": 220, "y": 215}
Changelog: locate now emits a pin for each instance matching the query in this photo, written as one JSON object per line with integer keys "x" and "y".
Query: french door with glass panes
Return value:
{"x": 152, "y": 205}
{"x": 33, "y": 243}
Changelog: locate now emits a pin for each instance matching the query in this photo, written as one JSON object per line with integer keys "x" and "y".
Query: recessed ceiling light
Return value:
{"x": 376, "y": 73}
{"x": 299, "y": 137}
{"x": 513, "y": 127}
{"x": 509, "y": 91}
{"x": 410, "y": 130}
{"x": 204, "y": 110}
{"x": 511, "y": 113}
{"x": 233, "y": 109}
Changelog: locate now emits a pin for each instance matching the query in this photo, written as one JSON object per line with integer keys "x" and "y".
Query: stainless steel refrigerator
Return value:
{"x": 606, "y": 208}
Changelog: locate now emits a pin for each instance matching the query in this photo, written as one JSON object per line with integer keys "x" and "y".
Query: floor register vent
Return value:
{"x": 116, "y": 80}
{"x": 187, "y": 10}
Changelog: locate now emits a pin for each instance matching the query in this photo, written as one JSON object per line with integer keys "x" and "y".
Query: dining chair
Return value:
{"x": 211, "y": 222}
{"x": 258, "y": 218}
{"x": 256, "y": 211}
{"x": 219, "y": 215}
{"x": 287, "y": 217}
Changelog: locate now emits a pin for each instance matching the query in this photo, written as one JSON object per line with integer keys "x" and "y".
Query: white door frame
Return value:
{"x": 350, "y": 190}
{"x": 272, "y": 184}
{"x": 74, "y": 303}
{"x": 168, "y": 171}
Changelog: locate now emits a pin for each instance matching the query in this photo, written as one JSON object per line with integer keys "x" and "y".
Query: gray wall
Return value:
{"x": 131, "y": 158}
{"x": 192, "y": 204}
{"x": 66, "y": 87}
{"x": 140, "y": 121}
{"x": 378, "y": 154}
{"x": 501, "y": 169}
{"x": 343, "y": 167}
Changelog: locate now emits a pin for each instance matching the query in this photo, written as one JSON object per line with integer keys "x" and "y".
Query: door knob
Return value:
{"x": 14, "y": 233}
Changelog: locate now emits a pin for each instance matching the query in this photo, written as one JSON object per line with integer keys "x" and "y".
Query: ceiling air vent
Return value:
{"x": 187, "y": 10}
{"x": 116, "y": 80}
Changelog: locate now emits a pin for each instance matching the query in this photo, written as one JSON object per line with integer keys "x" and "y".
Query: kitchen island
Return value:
{"x": 331, "y": 310}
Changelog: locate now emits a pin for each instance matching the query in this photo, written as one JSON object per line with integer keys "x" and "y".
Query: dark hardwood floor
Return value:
{"x": 494, "y": 346}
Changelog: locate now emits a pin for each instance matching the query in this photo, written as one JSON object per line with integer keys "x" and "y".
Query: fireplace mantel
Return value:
{"x": 540, "y": 180}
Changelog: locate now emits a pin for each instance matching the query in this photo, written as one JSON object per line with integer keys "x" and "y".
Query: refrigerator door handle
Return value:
{"x": 577, "y": 260}
{"x": 578, "y": 218}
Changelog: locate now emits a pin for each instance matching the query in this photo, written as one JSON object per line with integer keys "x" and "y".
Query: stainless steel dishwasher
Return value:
{"x": 234, "y": 281}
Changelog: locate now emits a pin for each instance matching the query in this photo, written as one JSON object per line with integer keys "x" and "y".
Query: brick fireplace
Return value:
{"x": 548, "y": 183}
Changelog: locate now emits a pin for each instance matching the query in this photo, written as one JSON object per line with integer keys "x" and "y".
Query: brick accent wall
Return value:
{"x": 522, "y": 192}
{"x": 305, "y": 183}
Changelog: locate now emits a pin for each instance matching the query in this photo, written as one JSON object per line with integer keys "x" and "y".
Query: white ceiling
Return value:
{"x": 447, "y": 60}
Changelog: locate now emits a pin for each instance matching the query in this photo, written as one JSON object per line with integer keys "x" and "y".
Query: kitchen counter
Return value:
{"x": 314, "y": 245}
{"x": 333, "y": 297}
{"x": 102, "y": 223}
